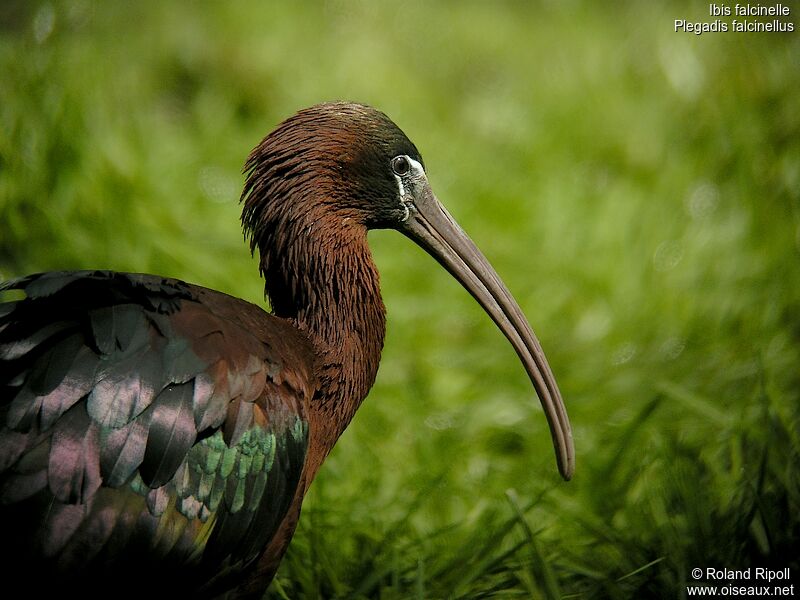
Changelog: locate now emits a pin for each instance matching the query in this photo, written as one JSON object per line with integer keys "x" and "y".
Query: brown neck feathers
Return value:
{"x": 320, "y": 274}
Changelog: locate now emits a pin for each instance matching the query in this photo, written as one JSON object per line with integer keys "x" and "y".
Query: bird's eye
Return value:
{"x": 400, "y": 165}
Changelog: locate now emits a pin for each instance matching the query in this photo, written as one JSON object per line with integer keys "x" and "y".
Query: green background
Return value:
{"x": 637, "y": 189}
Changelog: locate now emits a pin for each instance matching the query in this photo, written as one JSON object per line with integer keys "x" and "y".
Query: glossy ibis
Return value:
{"x": 156, "y": 431}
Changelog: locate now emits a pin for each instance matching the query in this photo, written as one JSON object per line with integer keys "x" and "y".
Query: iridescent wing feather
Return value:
{"x": 146, "y": 426}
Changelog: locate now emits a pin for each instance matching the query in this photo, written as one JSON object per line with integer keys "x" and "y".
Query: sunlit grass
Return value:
{"x": 637, "y": 189}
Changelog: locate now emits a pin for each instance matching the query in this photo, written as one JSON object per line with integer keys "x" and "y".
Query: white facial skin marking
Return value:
{"x": 416, "y": 167}
{"x": 400, "y": 185}
{"x": 406, "y": 212}
{"x": 416, "y": 170}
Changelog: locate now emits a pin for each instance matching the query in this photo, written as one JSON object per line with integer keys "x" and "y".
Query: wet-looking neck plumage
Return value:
{"x": 310, "y": 197}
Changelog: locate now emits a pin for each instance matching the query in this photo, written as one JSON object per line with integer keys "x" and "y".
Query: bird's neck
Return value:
{"x": 331, "y": 290}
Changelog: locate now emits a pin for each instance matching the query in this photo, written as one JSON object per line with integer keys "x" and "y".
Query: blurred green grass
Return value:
{"x": 637, "y": 189}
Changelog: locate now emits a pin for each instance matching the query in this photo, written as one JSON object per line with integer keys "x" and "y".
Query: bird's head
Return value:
{"x": 349, "y": 160}
{"x": 350, "y": 165}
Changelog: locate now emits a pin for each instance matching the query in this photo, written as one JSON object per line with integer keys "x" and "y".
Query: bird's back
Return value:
{"x": 149, "y": 430}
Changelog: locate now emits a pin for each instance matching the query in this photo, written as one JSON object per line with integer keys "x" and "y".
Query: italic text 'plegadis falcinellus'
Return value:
{"x": 156, "y": 431}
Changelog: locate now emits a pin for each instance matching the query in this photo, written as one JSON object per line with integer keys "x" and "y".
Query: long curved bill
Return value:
{"x": 432, "y": 228}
